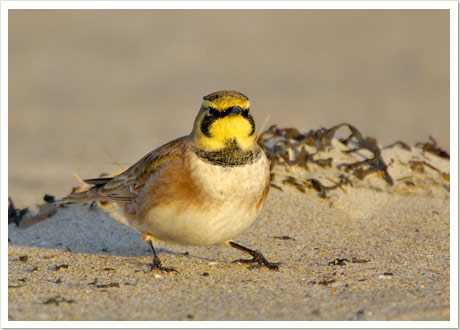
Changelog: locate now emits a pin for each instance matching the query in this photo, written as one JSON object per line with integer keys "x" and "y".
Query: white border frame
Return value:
{"x": 450, "y": 5}
{"x": 230, "y": 5}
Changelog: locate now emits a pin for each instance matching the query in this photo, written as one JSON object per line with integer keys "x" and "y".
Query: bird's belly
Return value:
{"x": 199, "y": 227}
{"x": 232, "y": 199}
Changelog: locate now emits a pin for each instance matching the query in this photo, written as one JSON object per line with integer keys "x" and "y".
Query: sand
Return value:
{"x": 366, "y": 251}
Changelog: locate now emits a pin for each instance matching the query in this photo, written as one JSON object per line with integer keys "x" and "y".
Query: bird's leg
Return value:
{"x": 257, "y": 257}
{"x": 156, "y": 264}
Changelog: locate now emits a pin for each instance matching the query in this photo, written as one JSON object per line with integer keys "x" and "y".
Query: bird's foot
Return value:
{"x": 156, "y": 265}
{"x": 258, "y": 258}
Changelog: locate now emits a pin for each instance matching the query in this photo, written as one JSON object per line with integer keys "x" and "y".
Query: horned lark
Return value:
{"x": 200, "y": 189}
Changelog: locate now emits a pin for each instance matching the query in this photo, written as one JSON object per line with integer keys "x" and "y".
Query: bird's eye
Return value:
{"x": 211, "y": 112}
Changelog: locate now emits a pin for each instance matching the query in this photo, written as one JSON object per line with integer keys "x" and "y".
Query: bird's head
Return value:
{"x": 224, "y": 118}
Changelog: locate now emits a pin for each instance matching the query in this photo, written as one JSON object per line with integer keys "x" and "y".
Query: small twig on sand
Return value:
{"x": 78, "y": 177}
{"x": 262, "y": 128}
{"x": 114, "y": 161}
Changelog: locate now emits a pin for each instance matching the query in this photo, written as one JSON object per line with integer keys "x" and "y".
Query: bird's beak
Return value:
{"x": 235, "y": 111}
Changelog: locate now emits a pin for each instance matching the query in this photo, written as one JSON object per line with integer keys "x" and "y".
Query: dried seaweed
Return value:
{"x": 376, "y": 163}
{"x": 25, "y": 218}
{"x": 321, "y": 189}
{"x": 289, "y": 139}
{"x": 418, "y": 166}
{"x": 432, "y": 147}
{"x": 359, "y": 261}
{"x": 57, "y": 300}
{"x": 276, "y": 186}
{"x": 284, "y": 238}
{"x": 94, "y": 282}
{"x": 15, "y": 215}
{"x": 293, "y": 182}
{"x": 58, "y": 267}
{"x": 280, "y": 146}
{"x": 400, "y": 143}
{"x": 108, "y": 285}
{"x": 326, "y": 282}
{"x": 338, "y": 262}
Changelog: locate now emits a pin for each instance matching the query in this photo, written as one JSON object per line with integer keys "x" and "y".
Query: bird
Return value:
{"x": 200, "y": 189}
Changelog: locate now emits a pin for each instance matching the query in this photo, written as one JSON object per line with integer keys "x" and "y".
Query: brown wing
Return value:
{"x": 125, "y": 186}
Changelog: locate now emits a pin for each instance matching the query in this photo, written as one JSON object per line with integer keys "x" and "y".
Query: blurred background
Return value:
{"x": 87, "y": 87}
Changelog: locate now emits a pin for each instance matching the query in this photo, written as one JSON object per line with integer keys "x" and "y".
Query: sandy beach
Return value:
{"x": 105, "y": 275}
{"x": 93, "y": 92}
{"x": 365, "y": 250}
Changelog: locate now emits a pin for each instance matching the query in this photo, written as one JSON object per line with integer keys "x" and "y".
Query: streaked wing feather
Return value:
{"x": 97, "y": 181}
{"x": 125, "y": 186}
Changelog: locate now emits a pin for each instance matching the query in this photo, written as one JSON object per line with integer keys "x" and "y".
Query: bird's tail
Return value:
{"x": 86, "y": 193}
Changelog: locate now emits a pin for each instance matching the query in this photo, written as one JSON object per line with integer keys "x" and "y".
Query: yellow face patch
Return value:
{"x": 223, "y": 120}
{"x": 223, "y": 130}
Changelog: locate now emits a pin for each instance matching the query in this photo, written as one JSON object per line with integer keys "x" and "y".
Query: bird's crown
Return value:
{"x": 223, "y": 100}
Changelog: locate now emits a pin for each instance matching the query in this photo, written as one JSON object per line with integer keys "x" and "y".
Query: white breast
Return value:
{"x": 231, "y": 183}
{"x": 231, "y": 204}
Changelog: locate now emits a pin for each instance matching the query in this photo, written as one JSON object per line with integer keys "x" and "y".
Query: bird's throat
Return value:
{"x": 230, "y": 155}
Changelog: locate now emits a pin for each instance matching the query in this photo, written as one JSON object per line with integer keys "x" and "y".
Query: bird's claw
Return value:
{"x": 258, "y": 258}
{"x": 156, "y": 265}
